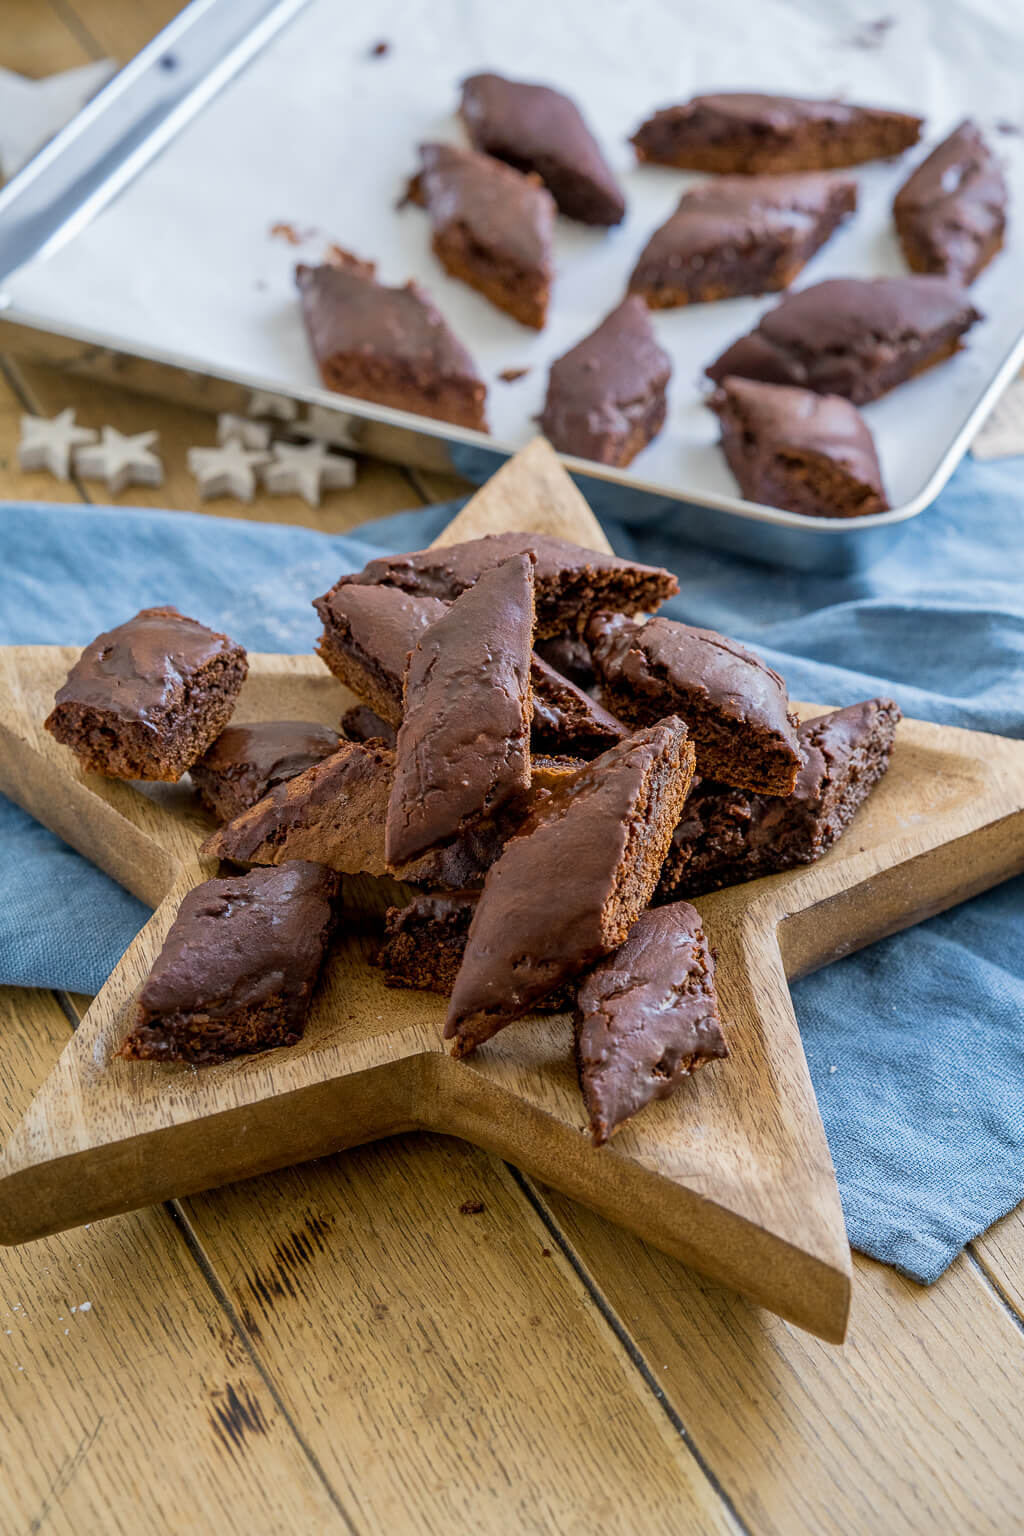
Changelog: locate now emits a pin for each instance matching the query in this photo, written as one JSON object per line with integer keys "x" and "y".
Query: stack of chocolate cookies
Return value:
{"x": 554, "y": 826}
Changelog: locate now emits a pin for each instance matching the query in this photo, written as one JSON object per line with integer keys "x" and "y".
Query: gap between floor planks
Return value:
{"x": 120, "y": 1378}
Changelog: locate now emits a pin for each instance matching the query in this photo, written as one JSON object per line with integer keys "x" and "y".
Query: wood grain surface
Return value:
{"x": 110, "y": 1335}
{"x": 911, "y": 1426}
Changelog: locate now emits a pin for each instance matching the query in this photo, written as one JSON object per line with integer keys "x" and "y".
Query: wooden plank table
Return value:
{"x": 339, "y": 1348}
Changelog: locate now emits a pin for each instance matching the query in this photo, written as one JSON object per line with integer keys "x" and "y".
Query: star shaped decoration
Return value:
{"x": 121, "y": 461}
{"x": 239, "y": 429}
{"x": 262, "y": 402}
{"x": 334, "y": 427}
{"x": 229, "y": 470}
{"x": 48, "y": 444}
{"x": 307, "y": 471}
{"x": 32, "y": 111}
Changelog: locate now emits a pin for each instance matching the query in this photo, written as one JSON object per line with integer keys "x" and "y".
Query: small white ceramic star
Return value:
{"x": 307, "y": 471}
{"x": 226, "y": 471}
{"x": 49, "y": 444}
{"x": 238, "y": 429}
{"x": 329, "y": 426}
{"x": 263, "y": 403}
{"x": 121, "y": 460}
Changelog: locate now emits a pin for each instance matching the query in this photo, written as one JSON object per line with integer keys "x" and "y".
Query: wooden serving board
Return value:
{"x": 731, "y": 1175}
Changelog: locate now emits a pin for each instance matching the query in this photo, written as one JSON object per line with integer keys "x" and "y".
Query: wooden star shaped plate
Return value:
{"x": 732, "y": 1175}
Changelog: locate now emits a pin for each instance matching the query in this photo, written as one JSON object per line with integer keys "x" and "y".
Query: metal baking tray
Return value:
{"x": 138, "y": 245}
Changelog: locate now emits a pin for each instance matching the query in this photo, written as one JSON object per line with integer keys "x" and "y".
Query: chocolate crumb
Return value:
{"x": 412, "y": 193}
{"x": 510, "y": 375}
{"x": 545, "y": 1253}
{"x": 381, "y": 49}
{"x": 282, "y": 230}
{"x": 472, "y": 1208}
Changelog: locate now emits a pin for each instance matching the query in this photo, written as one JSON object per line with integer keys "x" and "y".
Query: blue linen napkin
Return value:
{"x": 915, "y": 1046}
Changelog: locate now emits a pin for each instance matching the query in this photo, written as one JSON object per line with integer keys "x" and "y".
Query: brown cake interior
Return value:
{"x": 399, "y": 384}
{"x": 521, "y": 293}
{"x": 358, "y": 671}
{"x": 648, "y": 419}
{"x": 923, "y": 256}
{"x": 202, "y": 1040}
{"x": 908, "y": 365}
{"x": 750, "y": 150}
{"x": 426, "y": 940}
{"x": 727, "y": 751}
{"x": 760, "y": 265}
{"x": 658, "y": 809}
{"x": 726, "y": 837}
{"x": 800, "y": 480}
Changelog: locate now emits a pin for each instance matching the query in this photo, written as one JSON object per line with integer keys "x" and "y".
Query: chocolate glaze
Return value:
{"x": 571, "y": 582}
{"x": 464, "y": 744}
{"x": 247, "y": 760}
{"x": 507, "y": 219}
{"x": 369, "y": 632}
{"x": 753, "y": 132}
{"x": 717, "y": 685}
{"x": 537, "y": 129}
{"x": 569, "y": 886}
{"x": 726, "y": 836}
{"x": 145, "y": 700}
{"x": 397, "y": 338}
{"x": 856, "y": 337}
{"x": 770, "y": 432}
{"x": 248, "y": 945}
{"x": 333, "y": 813}
{"x": 646, "y": 1017}
{"x": 951, "y": 214}
{"x": 143, "y": 669}
{"x": 740, "y": 235}
{"x": 606, "y": 396}
{"x": 360, "y": 723}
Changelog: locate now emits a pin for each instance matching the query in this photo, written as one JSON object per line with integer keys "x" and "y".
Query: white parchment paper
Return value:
{"x": 317, "y": 133}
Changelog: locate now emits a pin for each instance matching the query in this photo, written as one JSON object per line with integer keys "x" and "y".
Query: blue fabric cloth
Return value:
{"x": 916, "y": 1046}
